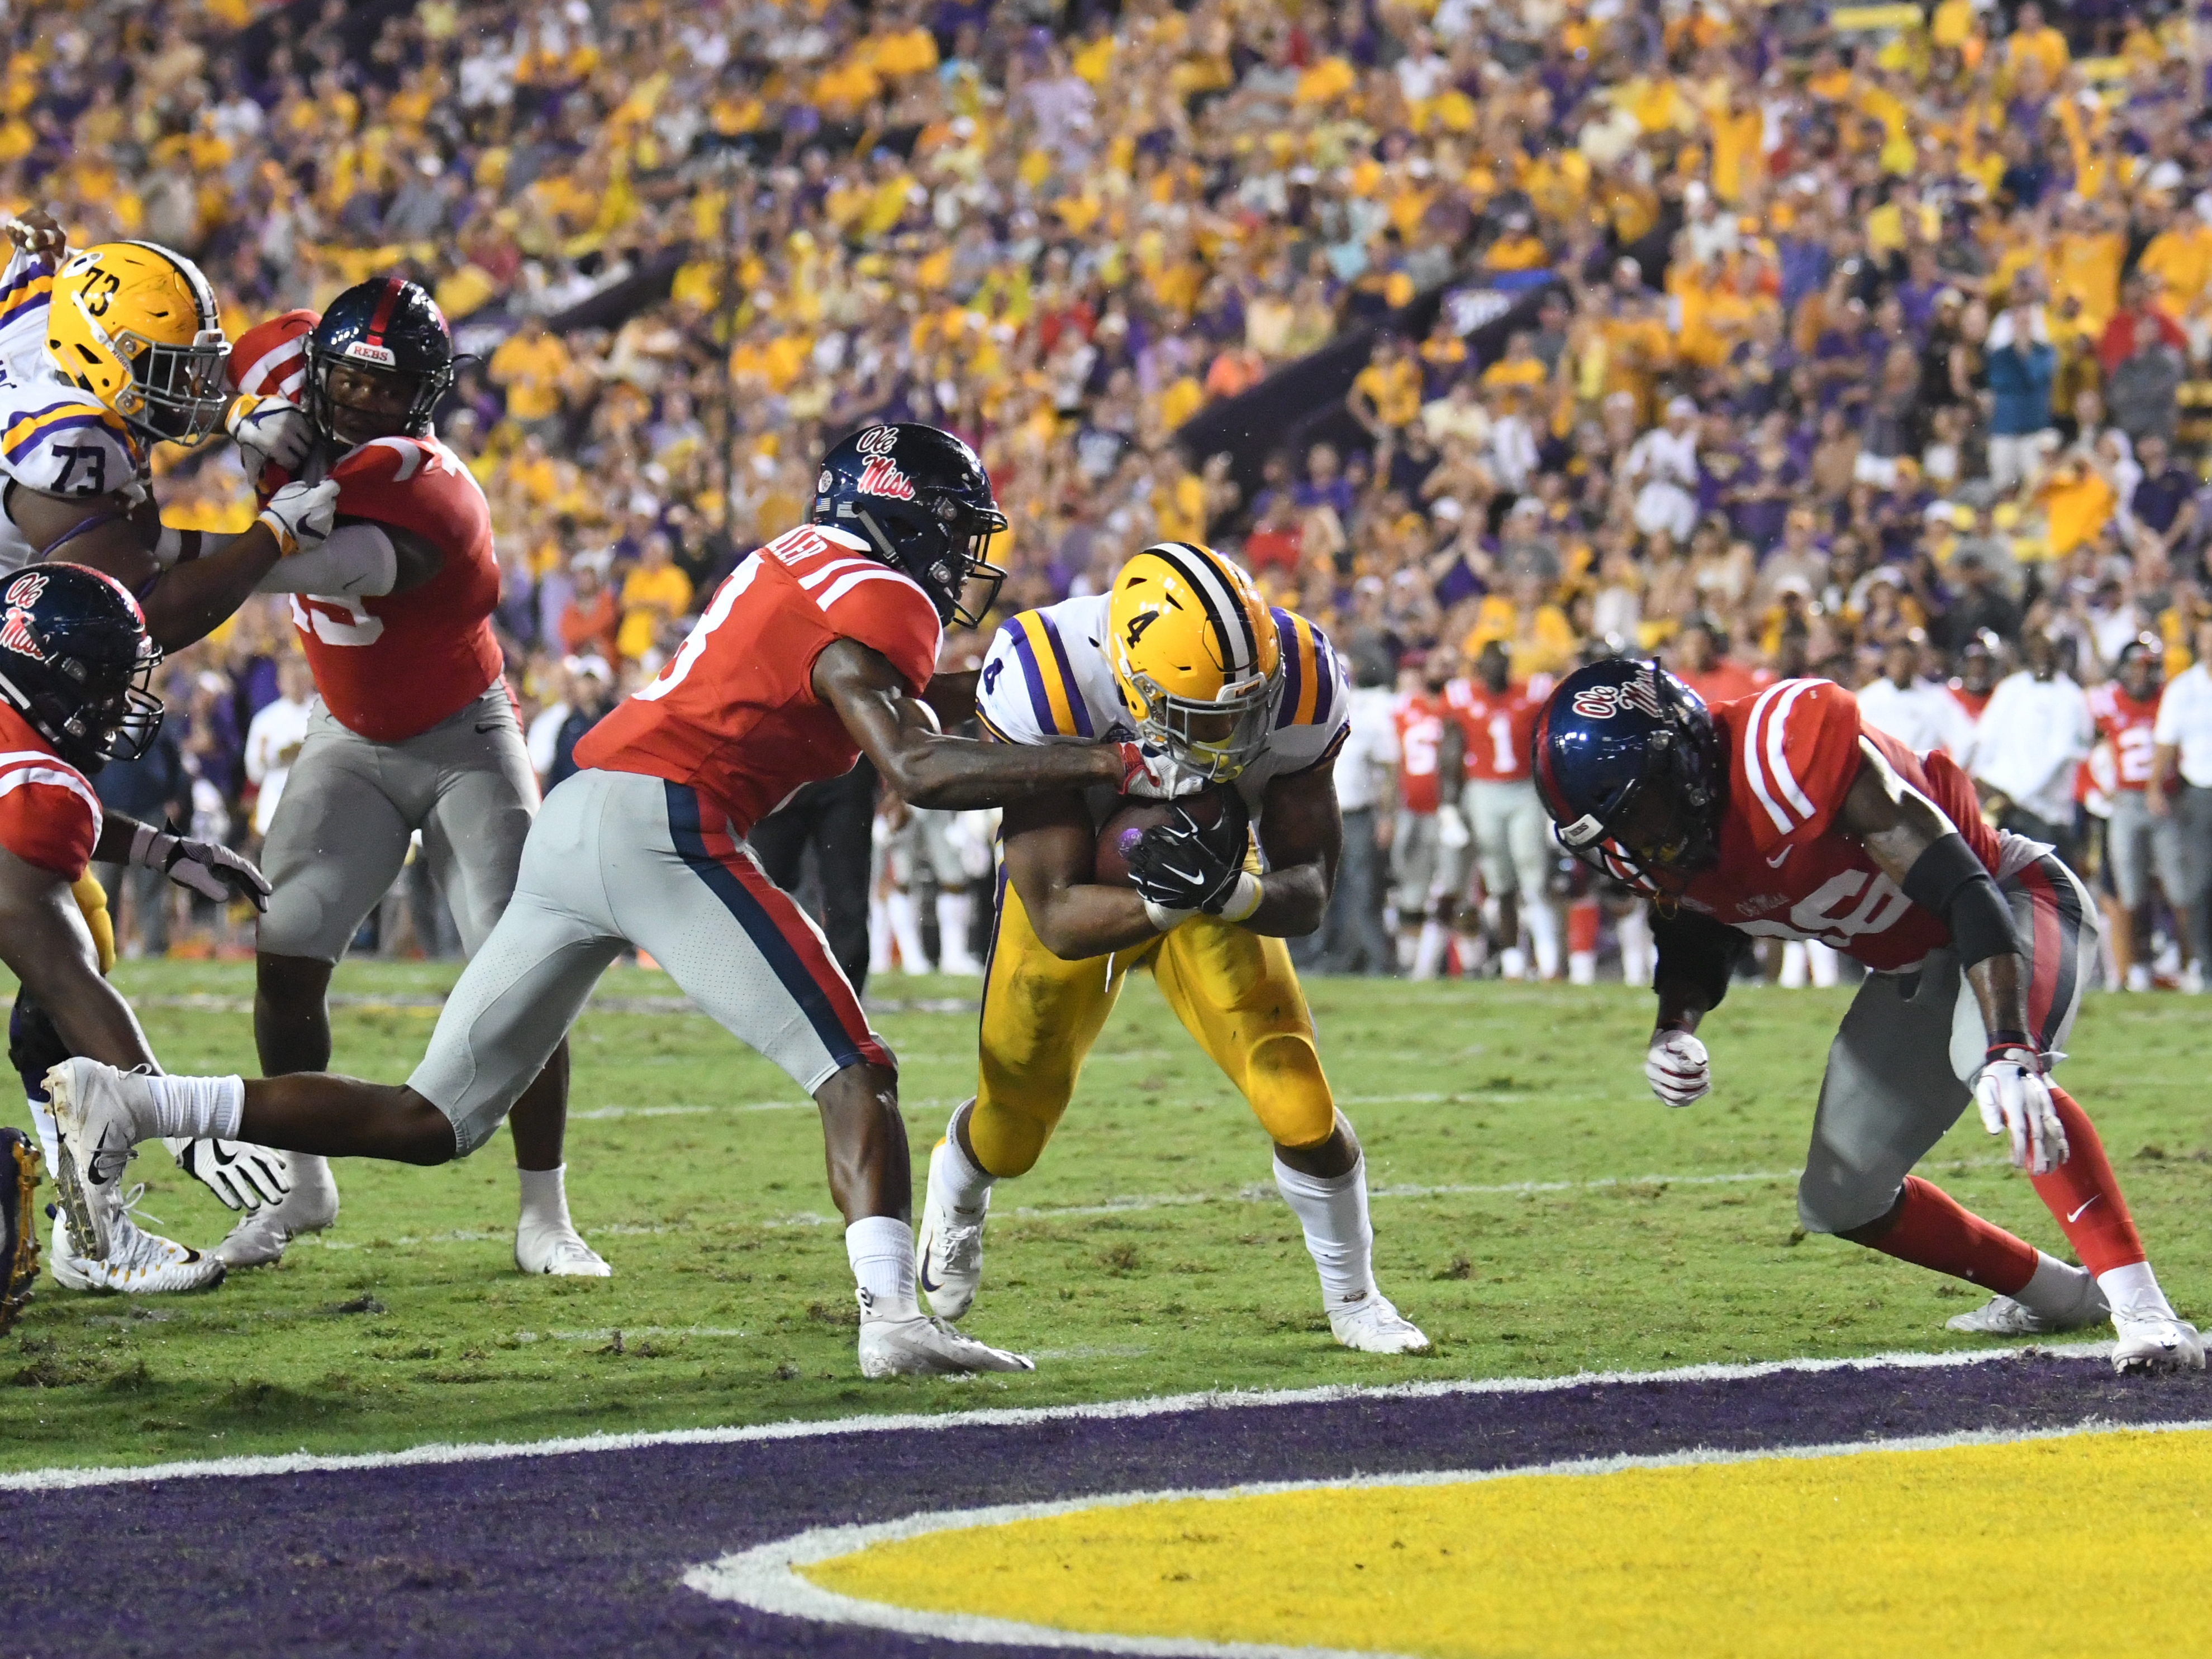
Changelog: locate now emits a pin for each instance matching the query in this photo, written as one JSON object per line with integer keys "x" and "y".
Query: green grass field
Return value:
{"x": 1582, "y": 1225}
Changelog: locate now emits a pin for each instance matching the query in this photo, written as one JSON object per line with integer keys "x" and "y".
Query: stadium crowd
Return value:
{"x": 1863, "y": 342}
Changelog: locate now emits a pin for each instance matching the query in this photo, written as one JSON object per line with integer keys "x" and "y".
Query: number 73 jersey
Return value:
{"x": 1786, "y": 870}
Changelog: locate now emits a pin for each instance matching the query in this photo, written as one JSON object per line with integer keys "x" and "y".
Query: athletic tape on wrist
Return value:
{"x": 1243, "y": 898}
{"x": 1164, "y": 917}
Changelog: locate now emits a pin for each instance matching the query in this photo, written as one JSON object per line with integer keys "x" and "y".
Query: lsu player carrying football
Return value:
{"x": 1181, "y": 653}
{"x": 104, "y": 353}
{"x": 413, "y": 729}
{"x": 1783, "y": 815}
{"x": 820, "y": 645}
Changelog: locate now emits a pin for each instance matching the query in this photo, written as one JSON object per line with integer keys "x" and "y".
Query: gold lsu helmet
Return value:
{"x": 136, "y": 326}
{"x": 1196, "y": 656}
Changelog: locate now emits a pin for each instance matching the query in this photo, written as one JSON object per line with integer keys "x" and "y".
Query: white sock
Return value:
{"x": 1339, "y": 1237}
{"x": 1429, "y": 954}
{"x": 1821, "y": 959}
{"x": 195, "y": 1106}
{"x": 1634, "y": 931}
{"x": 1582, "y": 966}
{"x": 50, "y": 1137}
{"x": 881, "y": 1250}
{"x": 959, "y": 1181}
{"x": 1794, "y": 968}
{"x": 907, "y": 931}
{"x": 1543, "y": 923}
{"x": 879, "y": 938}
{"x": 2054, "y": 1291}
{"x": 1513, "y": 963}
{"x": 952, "y": 929}
{"x": 2134, "y": 1290}
{"x": 545, "y": 1199}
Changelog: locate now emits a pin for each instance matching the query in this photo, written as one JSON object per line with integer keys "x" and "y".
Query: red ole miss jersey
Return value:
{"x": 1418, "y": 718}
{"x": 49, "y": 816}
{"x": 2125, "y": 725}
{"x": 391, "y": 666}
{"x": 1785, "y": 872}
{"x": 1500, "y": 727}
{"x": 734, "y": 714}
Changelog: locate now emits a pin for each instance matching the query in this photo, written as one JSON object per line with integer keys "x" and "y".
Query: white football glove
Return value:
{"x": 243, "y": 1176}
{"x": 1451, "y": 827}
{"x": 212, "y": 871}
{"x": 1676, "y": 1068}
{"x": 2015, "y": 1101}
{"x": 270, "y": 429}
{"x": 1150, "y": 770}
{"x": 300, "y": 515}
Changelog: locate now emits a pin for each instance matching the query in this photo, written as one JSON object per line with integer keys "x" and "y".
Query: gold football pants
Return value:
{"x": 1234, "y": 991}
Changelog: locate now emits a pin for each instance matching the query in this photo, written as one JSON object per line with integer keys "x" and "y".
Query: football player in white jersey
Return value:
{"x": 105, "y": 352}
{"x": 1182, "y": 653}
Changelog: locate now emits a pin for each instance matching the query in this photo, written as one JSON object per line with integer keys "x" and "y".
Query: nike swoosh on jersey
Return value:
{"x": 1775, "y": 863}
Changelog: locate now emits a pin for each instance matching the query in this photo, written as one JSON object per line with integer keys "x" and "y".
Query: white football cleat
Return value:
{"x": 918, "y": 1345}
{"x": 100, "y": 1117}
{"x": 138, "y": 1263}
{"x": 261, "y": 1234}
{"x": 558, "y": 1251}
{"x": 2152, "y": 1341}
{"x": 2001, "y": 1315}
{"x": 1371, "y": 1325}
{"x": 949, "y": 1253}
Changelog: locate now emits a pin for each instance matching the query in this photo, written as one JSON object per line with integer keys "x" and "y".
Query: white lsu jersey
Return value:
{"x": 55, "y": 437}
{"x": 1049, "y": 678}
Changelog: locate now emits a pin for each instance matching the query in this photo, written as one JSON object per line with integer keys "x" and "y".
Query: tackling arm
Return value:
{"x": 900, "y": 735}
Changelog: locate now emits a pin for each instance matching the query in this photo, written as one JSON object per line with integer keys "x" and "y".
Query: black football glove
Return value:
{"x": 1183, "y": 865}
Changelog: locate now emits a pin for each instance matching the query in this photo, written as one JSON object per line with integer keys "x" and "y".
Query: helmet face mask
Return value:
{"x": 136, "y": 326}
{"x": 1215, "y": 740}
{"x": 378, "y": 361}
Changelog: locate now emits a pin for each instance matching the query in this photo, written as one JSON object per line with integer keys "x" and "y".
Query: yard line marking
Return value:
{"x": 66, "y": 1478}
{"x": 767, "y": 1578}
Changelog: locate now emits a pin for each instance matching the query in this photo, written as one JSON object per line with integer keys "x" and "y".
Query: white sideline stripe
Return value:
{"x": 64, "y": 1479}
{"x": 765, "y": 1577}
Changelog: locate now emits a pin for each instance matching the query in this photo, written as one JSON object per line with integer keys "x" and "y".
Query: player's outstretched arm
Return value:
{"x": 1912, "y": 842}
{"x": 900, "y": 735}
{"x": 185, "y": 601}
{"x": 1050, "y": 848}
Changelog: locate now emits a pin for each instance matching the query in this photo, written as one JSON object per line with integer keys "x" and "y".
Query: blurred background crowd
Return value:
{"x": 1867, "y": 342}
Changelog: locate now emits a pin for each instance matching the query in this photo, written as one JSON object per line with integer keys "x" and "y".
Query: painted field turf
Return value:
{"x": 1771, "y": 1558}
{"x": 1147, "y": 1254}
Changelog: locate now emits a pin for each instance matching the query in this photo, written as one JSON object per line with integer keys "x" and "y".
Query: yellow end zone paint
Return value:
{"x": 2042, "y": 1546}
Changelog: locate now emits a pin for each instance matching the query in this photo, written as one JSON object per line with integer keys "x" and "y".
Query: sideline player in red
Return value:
{"x": 414, "y": 730}
{"x": 1784, "y": 816}
{"x": 75, "y": 665}
{"x": 1513, "y": 846}
{"x": 818, "y": 648}
{"x": 1428, "y": 840}
{"x": 2126, "y": 708}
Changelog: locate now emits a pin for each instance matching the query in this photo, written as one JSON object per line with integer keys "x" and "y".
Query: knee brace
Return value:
{"x": 1287, "y": 1092}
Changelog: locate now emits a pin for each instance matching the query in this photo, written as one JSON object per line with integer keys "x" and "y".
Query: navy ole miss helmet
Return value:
{"x": 921, "y": 498}
{"x": 391, "y": 330}
{"x": 1629, "y": 765}
{"x": 76, "y": 661}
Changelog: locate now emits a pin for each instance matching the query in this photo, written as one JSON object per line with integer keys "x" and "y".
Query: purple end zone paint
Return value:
{"x": 580, "y": 1554}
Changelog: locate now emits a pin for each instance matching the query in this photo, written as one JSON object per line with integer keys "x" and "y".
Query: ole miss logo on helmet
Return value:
{"x": 882, "y": 476}
{"x": 1602, "y": 702}
{"x": 877, "y": 440}
{"x": 15, "y": 631}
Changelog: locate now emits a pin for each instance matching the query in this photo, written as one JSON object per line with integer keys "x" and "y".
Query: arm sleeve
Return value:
{"x": 357, "y": 560}
{"x": 1696, "y": 956}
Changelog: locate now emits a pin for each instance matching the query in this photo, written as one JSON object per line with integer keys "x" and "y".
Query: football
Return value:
{"x": 1134, "y": 814}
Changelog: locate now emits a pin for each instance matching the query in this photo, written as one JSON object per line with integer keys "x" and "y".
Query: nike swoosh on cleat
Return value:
{"x": 101, "y": 1170}
{"x": 922, "y": 1272}
{"x": 2092, "y": 1198}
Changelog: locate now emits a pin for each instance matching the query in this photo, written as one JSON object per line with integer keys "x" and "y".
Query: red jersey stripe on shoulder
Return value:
{"x": 1766, "y": 764}
{"x": 845, "y": 584}
{"x": 829, "y": 567}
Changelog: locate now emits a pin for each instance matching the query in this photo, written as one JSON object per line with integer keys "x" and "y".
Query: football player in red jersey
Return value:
{"x": 1428, "y": 841}
{"x": 1513, "y": 846}
{"x": 413, "y": 731}
{"x": 74, "y": 663}
{"x": 1784, "y": 816}
{"x": 818, "y": 648}
{"x": 2126, "y": 708}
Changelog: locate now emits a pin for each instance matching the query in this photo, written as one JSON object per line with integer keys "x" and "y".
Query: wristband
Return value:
{"x": 2008, "y": 1040}
{"x": 145, "y": 840}
{"x": 1243, "y": 898}
{"x": 1165, "y": 918}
